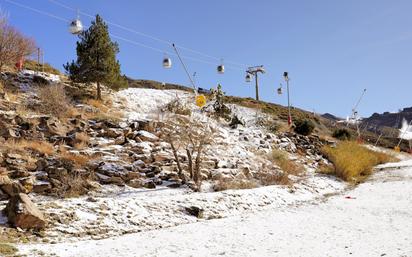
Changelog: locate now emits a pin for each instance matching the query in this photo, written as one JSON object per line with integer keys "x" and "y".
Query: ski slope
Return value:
{"x": 374, "y": 219}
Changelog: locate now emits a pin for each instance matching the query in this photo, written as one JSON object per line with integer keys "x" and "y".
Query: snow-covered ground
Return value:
{"x": 374, "y": 219}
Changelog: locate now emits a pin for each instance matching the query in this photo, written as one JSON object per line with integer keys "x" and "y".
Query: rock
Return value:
{"x": 112, "y": 170}
{"x": 138, "y": 165}
{"x": 120, "y": 140}
{"x": 162, "y": 156}
{"x": 149, "y": 184}
{"x": 195, "y": 211}
{"x": 21, "y": 212}
{"x": 27, "y": 183}
{"x": 135, "y": 183}
{"x": 110, "y": 180}
{"x": 3, "y": 195}
{"x": 112, "y": 133}
{"x": 56, "y": 172}
{"x": 175, "y": 184}
{"x": 147, "y": 136}
{"x": 10, "y": 187}
{"x": 41, "y": 187}
{"x": 146, "y": 125}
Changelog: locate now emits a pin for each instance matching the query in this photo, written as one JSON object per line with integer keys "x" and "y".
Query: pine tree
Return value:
{"x": 96, "y": 58}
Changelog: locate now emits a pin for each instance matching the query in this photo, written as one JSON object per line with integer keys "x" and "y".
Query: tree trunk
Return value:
{"x": 189, "y": 158}
{"x": 198, "y": 161}
{"x": 99, "y": 93}
{"x": 179, "y": 168}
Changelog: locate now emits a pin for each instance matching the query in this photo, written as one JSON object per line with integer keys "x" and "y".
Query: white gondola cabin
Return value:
{"x": 248, "y": 78}
{"x": 76, "y": 27}
{"x": 221, "y": 69}
{"x": 167, "y": 63}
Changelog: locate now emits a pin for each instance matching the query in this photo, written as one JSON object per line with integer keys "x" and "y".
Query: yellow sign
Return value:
{"x": 397, "y": 149}
{"x": 200, "y": 101}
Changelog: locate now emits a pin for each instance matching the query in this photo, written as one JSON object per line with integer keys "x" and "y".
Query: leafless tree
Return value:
{"x": 192, "y": 136}
{"x": 13, "y": 44}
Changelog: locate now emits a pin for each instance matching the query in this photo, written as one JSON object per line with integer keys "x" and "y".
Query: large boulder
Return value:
{"x": 147, "y": 136}
{"x": 21, "y": 212}
{"x": 10, "y": 187}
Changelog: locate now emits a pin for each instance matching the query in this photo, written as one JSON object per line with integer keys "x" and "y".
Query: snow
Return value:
{"x": 374, "y": 221}
{"x": 406, "y": 131}
{"x": 30, "y": 74}
{"x": 146, "y": 103}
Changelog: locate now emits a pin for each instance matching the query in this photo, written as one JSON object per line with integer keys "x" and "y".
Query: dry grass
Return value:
{"x": 78, "y": 160}
{"x": 353, "y": 162}
{"x": 82, "y": 140}
{"x": 178, "y": 107}
{"x": 104, "y": 111}
{"x": 271, "y": 178}
{"x": 110, "y": 116}
{"x": 224, "y": 184}
{"x": 42, "y": 147}
{"x": 53, "y": 100}
{"x": 281, "y": 159}
{"x": 7, "y": 250}
{"x": 74, "y": 186}
{"x": 98, "y": 104}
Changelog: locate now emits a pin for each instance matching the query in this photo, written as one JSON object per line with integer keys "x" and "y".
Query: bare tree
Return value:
{"x": 192, "y": 136}
{"x": 13, "y": 44}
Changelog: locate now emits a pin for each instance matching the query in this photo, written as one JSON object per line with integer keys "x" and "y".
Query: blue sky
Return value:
{"x": 331, "y": 49}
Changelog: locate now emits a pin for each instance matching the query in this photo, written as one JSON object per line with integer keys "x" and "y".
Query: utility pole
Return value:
{"x": 253, "y": 71}
{"x": 286, "y": 77}
{"x": 38, "y": 59}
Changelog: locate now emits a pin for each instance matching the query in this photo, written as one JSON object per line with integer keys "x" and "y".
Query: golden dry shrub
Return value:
{"x": 42, "y": 147}
{"x": 353, "y": 162}
{"x": 225, "y": 184}
{"x": 281, "y": 159}
{"x": 53, "y": 100}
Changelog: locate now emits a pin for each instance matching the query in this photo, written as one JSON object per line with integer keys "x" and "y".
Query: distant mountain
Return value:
{"x": 388, "y": 119}
{"x": 331, "y": 117}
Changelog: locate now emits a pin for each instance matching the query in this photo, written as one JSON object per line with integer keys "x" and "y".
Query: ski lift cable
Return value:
{"x": 165, "y": 52}
{"x": 150, "y": 36}
{"x": 37, "y": 10}
{"x": 113, "y": 35}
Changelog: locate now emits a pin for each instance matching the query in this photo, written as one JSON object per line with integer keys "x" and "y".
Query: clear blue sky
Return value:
{"x": 332, "y": 49}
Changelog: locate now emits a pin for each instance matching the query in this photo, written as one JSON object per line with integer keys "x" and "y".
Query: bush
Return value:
{"x": 304, "y": 127}
{"x": 7, "y": 250}
{"x": 223, "y": 185}
{"x": 33, "y": 65}
{"x": 53, "y": 100}
{"x": 342, "y": 134}
{"x": 178, "y": 107}
{"x": 281, "y": 159}
{"x": 353, "y": 162}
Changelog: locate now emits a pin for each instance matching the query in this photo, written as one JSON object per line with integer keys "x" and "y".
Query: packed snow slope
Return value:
{"x": 374, "y": 219}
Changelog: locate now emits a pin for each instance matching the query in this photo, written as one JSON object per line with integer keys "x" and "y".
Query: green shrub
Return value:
{"x": 304, "y": 127}
{"x": 342, "y": 134}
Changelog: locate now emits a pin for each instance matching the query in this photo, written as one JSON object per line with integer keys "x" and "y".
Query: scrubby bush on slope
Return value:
{"x": 353, "y": 162}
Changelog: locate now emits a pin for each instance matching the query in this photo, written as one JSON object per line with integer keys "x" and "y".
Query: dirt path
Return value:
{"x": 374, "y": 219}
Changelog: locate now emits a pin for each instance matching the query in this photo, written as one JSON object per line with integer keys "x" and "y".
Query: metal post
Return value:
{"x": 42, "y": 61}
{"x": 257, "y": 86}
{"x": 38, "y": 60}
{"x": 289, "y": 114}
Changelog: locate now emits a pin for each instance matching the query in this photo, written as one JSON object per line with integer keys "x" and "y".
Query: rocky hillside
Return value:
{"x": 58, "y": 143}
{"x": 388, "y": 119}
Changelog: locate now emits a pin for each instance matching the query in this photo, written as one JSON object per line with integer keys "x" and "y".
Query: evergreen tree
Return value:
{"x": 96, "y": 58}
